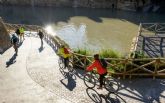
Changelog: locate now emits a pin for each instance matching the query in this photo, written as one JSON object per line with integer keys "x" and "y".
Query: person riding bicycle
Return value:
{"x": 100, "y": 69}
{"x": 65, "y": 54}
{"x": 14, "y": 41}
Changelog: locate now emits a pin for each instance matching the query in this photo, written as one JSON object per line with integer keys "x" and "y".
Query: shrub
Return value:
{"x": 81, "y": 58}
{"x": 109, "y": 53}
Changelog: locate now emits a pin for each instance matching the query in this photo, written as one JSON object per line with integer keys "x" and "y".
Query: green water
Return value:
{"x": 93, "y": 29}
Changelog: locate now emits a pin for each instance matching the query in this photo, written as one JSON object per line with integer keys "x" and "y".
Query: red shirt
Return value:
{"x": 99, "y": 67}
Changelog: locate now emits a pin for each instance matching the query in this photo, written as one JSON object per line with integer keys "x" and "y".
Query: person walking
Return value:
{"x": 41, "y": 35}
{"x": 102, "y": 71}
{"x": 22, "y": 37}
{"x": 14, "y": 41}
{"x": 17, "y": 32}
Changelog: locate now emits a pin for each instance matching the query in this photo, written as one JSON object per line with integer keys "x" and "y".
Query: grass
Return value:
{"x": 138, "y": 54}
{"x": 82, "y": 51}
{"x": 119, "y": 68}
{"x": 109, "y": 53}
{"x": 103, "y": 53}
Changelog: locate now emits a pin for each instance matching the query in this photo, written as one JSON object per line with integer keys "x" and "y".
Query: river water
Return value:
{"x": 93, "y": 29}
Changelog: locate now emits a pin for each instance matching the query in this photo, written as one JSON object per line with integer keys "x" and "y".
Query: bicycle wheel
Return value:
{"x": 62, "y": 72}
{"x": 94, "y": 95}
{"x": 111, "y": 85}
{"x": 114, "y": 98}
{"x": 89, "y": 80}
{"x": 61, "y": 63}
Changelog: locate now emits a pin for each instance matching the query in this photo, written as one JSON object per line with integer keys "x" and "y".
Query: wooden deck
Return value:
{"x": 152, "y": 46}
{"x": 150, "y": 40}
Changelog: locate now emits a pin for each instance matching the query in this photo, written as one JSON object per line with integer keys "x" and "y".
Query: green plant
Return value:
{"x": 109, "y": 53}
{"x": 78, "y": 63}
{"x": 138, "y": 54}
{"x": 82, "y": 51}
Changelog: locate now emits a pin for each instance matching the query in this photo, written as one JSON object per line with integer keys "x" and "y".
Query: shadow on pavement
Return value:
{"x": 69, "y": 80}
{"x": 106, "y": 98}
{"x": 11, "y": 61}
{"x": 41, "y": 49}
{"x": 79, "y": 73}
{"x": 114, "y": 98}
{"x": 143, "y": 89}
{"x": 19, "y": 44}
{"x": 94, "y": 96}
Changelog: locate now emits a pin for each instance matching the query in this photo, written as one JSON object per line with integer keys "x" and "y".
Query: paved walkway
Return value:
{"x": 34, "y": 77}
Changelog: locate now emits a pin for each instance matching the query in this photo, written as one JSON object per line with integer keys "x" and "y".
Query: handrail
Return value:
{"x": 153, "y": 27}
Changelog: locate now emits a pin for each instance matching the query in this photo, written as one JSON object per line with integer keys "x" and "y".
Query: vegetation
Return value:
{"x": 82, "y": 51}
{"x": 103, "y": 54}
{"x": 109, "y": 53}
{"x": 119, "y": 65}
{"x": 138, "y": 54}
{"x": 78, "y": 63}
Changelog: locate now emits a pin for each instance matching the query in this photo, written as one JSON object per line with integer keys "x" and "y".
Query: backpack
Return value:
{"x": 14, "y": 39}
{"x": 103, "y": 63}
{"x": 66, "y": 51}
{"x": 17, "y": 32}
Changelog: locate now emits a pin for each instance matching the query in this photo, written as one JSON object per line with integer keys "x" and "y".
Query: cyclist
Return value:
{"x": 100, "y": 69}
{"x": 14, "y": 41}
{"x": 64, "y": 53}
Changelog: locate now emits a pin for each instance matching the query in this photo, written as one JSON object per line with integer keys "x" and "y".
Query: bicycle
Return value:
{"x": 109, "y": 97}
{"x": 91, "y": 79}
{"x": 62, "y": 66}
{"x": 61, "y": 62}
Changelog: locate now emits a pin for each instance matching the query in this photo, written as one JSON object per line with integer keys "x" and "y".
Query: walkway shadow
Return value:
{"x": 114, "y": 98}
{"x": 20, "y": 43}
{"x": 71, "y": 83}
{"x": 41, "y": 48}
{"x": 101, "y": 98}
{"x": 153, "y": 46}
{"x": 79, "y": 73}
{"x": 143, "y": 90}
{"x": 11, "y": 61}
{"x": 94, "y": 96}
{"x": 53, "y": 46}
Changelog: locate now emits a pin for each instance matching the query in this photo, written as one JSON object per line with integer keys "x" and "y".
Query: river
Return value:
{"x": 93, "y": 29}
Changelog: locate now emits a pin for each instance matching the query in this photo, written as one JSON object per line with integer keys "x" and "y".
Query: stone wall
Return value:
{"x": 4, "y": 37}
{"x": 62, "y": 3}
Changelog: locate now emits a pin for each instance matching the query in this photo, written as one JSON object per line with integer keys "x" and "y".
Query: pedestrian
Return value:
{"x": 14, "y": 42}
{"x": 113, "y": 6}
{"x": 41, "y": 35}
{"x": 17, "y": 32}
{"x": 21, "y": 29}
